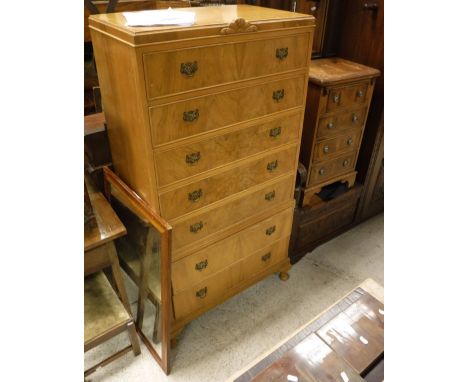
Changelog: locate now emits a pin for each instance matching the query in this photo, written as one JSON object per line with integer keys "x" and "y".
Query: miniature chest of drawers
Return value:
{"x": 338, "y": 98}
{"x": 204, "y": 123}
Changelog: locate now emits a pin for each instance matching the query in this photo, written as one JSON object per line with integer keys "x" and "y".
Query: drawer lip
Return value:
{"x": 355, "y": 132}
{"x": 352, "y": 155}
{"x": 299, "y": 56}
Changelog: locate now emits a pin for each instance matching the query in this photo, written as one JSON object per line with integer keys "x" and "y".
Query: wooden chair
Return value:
{"x": 105, "y": 315}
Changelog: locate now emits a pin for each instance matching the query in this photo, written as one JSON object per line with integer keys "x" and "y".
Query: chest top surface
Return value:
{"x": 209, "y": 22}
{"x": 331, "y": 71}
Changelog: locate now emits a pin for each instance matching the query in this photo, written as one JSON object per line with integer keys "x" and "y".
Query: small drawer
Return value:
{"x": 201, "y": 193}
{"x": 349, "y": 96}
{"x": 331, "y": 148}
{"x": 196, "y": 268}
{"x": 335, "y": 125}
{"x": 183, "y": 119}
{"x": 185, "y": 161}
{"x": 194, "y": 228}
{"x": 195, "y": 68}
{"x": 323, "y": 171}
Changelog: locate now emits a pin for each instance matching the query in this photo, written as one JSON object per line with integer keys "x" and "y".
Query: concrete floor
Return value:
{"x": 225, "y": 339}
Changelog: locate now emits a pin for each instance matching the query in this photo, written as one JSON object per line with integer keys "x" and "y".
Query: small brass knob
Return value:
{"x": 266, "y": 256}
{"x": 195, "y": 195}
{"x": 345, "y": 162}
{"x": 326, "y": 149}
{"x": 202, "y": 292}
{"x": 360, "y": 94}
{"x": 349, "y": 141}
{"x": 330, "y": 125}
{"x": 201, "y": 265}
{"x": 354, "y": 118}
{"x": 194, "y": 228}
{"x": 336, "y": 98}
{"x": 322, "y": 171}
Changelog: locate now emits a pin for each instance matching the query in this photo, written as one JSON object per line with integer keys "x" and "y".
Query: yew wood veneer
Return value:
{"x": 204, "y": 123}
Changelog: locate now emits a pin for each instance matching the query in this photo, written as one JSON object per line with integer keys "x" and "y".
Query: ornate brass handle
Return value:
{"x": 196, "y": 227}
{"x": 345, "y": 162}
{"x": 330, "y": 125}
{"x": 202, "y": 292}
{"x": 269, "y": 231}
{"x": 326, "y": 149}
{"x": 272, "y": 165}
{"x": 201, "y": 266}
{"x": 195, "y": 195}
{"x": 354, "y": 118}
{"x": 336, "y": 98}
{"x": 360, "y": 93}
{"x": 281, "y": 53}
{"x": 189, "y": 68}
{"x": 270, "y": 196}
{"x": 192, "y": 158}
{"x": 349, "y": 141}
{"x": 191, "y": 115}
{"x": 275, "y": 132}
{"x": 278, "y": 94}
{"x": 322, "y": 171}
{"x": 266, "y": 256}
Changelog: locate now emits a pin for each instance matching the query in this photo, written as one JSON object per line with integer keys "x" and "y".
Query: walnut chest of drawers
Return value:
{"x": 204, "y": 122}
{"x": 338, "y": 99}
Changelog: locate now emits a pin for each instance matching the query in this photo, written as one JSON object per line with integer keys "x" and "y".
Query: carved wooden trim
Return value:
{"x": 239, "y": 26}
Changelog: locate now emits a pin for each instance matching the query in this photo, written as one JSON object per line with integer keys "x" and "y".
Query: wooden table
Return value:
{"x": 345, "y": 343}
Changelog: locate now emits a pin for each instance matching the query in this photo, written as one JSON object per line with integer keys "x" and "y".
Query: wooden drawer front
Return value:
{"x": 189, "y": 69}
{"x": 348, "y": 96}
{"x": 209, "y": 190}
{"x": 197, "y": 267}
{"x": 207, "y": 223}
{"x": 198, "y": 115}
{"x": 212, "y": 289}
{"x": 335, "y": 125}
{"x": 324, "y": 171}
{"x": 201, "y": 156}
{"x": 331, "y": 148}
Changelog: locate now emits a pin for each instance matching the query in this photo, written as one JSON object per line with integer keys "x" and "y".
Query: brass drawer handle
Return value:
{"x": 269, "y": 231}
{"x": 281, "y": 53}
{"x": 278, "y": 95}
{"x": 322, "y": 171}
{"x": 195, "y": 195}
{"x": 202, "y": 292}
{"x": 345, "y": 162}
{"x": 360, "y": 94}
{"x": 336, "y": 98}
{"x": 201, "y": 265}
{"x": 191, "y": 115}
{"x": 349, "y": 141}
{"x": 266, "y": 256}
{"x": 189, "y": 68}
{"x": 275, "y": 132}
{"x": 330, "y": 125}
{"x": 326, "y": 149}
{"x": 192, "y": 158}
{"x": 272, "y": 165}
{"x": 270, "y": 196}
{"x": 196, "y": 227}
{"x": 354, "y": 118}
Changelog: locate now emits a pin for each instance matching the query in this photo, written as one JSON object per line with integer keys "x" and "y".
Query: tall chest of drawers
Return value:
{"x": 204, "y": 123}
{"x": 338, "y": 100}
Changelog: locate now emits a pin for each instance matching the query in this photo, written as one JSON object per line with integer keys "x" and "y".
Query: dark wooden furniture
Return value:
{"x": 338, "y": 99}
{"x": 105, "y": 316}
{"x": 345, "y": 343}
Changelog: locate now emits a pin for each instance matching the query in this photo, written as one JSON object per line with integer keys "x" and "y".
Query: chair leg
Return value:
{"x": 133, "y": 338}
